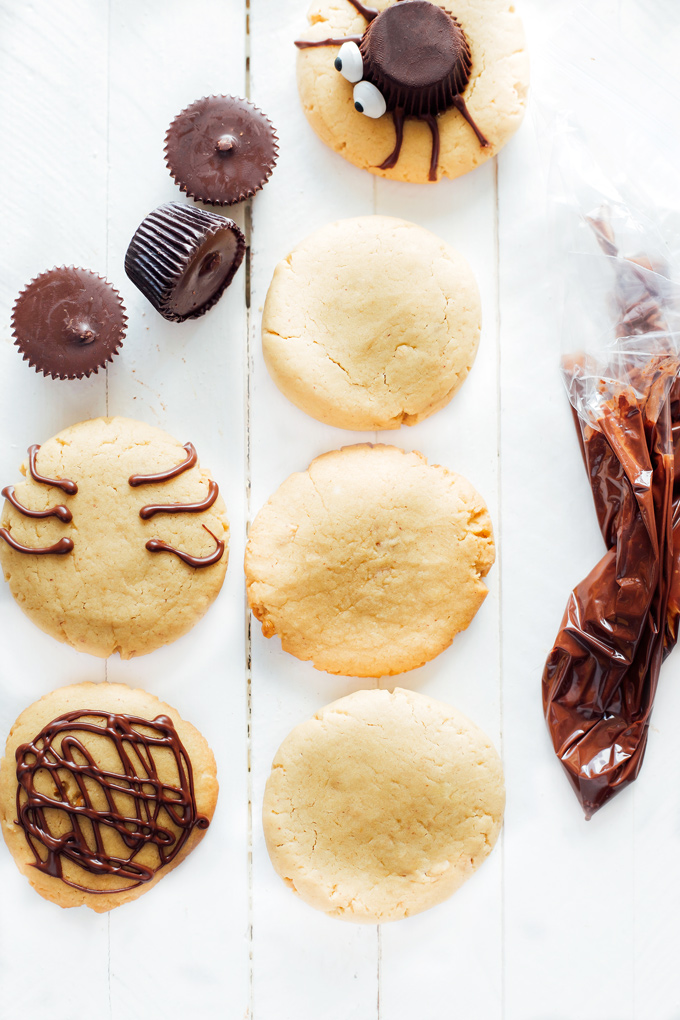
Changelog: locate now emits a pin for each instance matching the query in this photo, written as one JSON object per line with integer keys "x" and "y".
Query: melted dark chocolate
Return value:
{"x": 434, "y": 155}
{"x": 182, "y": 508}
{"x": 165, "y": 476}
{"x": 391, "y": 161}
{"x": 621, "y": 621}
{"x": 155, "y": 545}
{"x": 65, "y": 484}
{"x": 64, "y": 545}
{"x": 60, "y": 511}
{"x": 460, "y": 105}
{"x": 140, "y": 808}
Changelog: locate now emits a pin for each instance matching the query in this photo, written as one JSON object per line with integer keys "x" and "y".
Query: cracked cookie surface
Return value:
{"x": 382, "y": 805}
{"x": 110, "y": 593}
{"x": 495, "y": 95}
{"x": 370, "y": 562}
{"x": 371, "y": 323}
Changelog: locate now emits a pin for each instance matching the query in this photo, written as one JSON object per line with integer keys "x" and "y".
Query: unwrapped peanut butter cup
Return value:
{"x": 417, "y": 56}
{"x": 182, "y": 259}
{"x": 68, "y": 322}
{"x": 221, "y": 149}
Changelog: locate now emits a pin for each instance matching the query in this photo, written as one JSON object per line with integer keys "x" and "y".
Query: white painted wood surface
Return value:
{"x": 566, "y": 921}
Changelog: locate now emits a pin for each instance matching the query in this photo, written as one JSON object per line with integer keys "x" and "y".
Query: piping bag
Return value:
{"x": 621, "y": 621}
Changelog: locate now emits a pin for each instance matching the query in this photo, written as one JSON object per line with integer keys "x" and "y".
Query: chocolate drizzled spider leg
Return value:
{"x": 366, "y": 12}
{"x": 434, "y": 157}
{"x": 369, "y": 13}
{"x": 60, "y": 511}
{"x": 398, "y": 116}
{"x": 182, "y": 508}
{"x": 69, "y": 487}
{"x": 64, "y": 545}
{"x": 459, "y": 104}
{"x": 303, "y": 44}
{"x": 166, "y": 476}
{"x": 155, "y": 545}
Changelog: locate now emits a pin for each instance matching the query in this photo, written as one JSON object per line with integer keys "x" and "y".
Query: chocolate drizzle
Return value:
{"x": 182, "y": 508}
{"x": 417, "y": 56}
{"x": 165, "y": 476}
{"x": 69, "y": 487}
{"x": 64, "y": 545}
{"x": 141, "y": 810}
{"x": 621, "y": 621}
{"x": 366, "y": 12}
{"x": 307, "y": 44}
{"x": 155, "y": 545}
{"x": 60, "y": 511}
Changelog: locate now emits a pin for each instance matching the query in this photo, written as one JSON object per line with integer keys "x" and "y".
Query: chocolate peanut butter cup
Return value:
{"x": 68, "y": 322}
{"x": 183, "y": 259}
{"x": 221, "y": 149}
{"x": 417, "y": 55}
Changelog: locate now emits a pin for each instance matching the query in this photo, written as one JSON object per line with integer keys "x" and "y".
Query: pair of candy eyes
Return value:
{"x": 367, "y": 98}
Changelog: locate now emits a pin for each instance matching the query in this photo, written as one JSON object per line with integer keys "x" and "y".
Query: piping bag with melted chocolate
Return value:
{"x": 621, "y": 621}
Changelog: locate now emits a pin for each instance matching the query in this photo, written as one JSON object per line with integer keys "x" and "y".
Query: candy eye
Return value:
{"x": 349, "y": 62}
{"x": 368, "y": 100}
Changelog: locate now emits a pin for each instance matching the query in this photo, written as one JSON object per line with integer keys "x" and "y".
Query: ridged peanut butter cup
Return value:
{"x": 183, "y": 259}
{"x": 417, "y": 56}
{"x": 68, "y": 322}
{"x": 221, "y": 149}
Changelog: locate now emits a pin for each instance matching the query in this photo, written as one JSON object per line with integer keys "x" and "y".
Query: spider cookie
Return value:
{"x": 410, "y": 89}
{"x": 103, "y": 791}
{"x": 370, "y": 562}
{"x": 371, "y": 323}
{"x": 116, "y": 541}
{"x": 382, "y": 805}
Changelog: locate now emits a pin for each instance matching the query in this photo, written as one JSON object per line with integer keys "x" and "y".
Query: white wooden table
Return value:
{"x": 566, "y": 920}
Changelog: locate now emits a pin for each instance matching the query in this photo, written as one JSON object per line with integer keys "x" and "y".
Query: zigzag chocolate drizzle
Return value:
{"x": 156, "y": 811}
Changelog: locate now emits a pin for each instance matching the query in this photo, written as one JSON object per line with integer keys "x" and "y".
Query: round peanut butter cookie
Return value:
{"x": 370, "y": 562}
{"x": 382, "y": 805}
{"x": 371, "y": 323}
{"x": 116, "y": 541}
{"x": 413, "y": 90}
{"x": 103, "y": 791}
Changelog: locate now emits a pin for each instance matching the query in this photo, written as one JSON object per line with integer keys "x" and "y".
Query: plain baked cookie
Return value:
{"x": 371, "y": 323}
{"x": 382, "y": 805}
{"x": 370, "y": 561}
{"x": 495, "y": 94}
{"x": 107, "y": 591}
{"x": 103, "y": 791}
